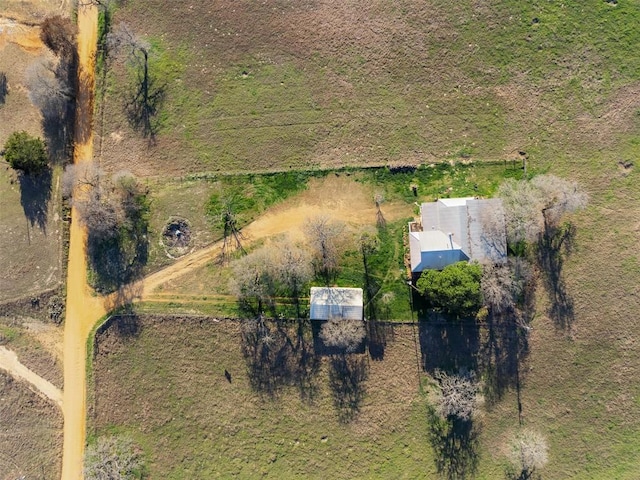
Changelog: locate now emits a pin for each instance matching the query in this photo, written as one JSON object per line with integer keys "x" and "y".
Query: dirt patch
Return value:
{"x": 31, "y": 443}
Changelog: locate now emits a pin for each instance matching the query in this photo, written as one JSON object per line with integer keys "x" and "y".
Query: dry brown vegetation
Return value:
{"x": 280, "y": 416}
{"x": 31, "y": 440}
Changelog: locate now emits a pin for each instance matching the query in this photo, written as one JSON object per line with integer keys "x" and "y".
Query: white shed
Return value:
{"x": 328, "y": 303}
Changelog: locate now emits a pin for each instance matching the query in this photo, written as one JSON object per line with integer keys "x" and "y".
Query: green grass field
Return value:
{"x": 312, "y": 85}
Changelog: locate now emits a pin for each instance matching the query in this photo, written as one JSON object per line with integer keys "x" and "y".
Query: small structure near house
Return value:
{"x": 452, "y": 230}
{"x": 328, "y": 303}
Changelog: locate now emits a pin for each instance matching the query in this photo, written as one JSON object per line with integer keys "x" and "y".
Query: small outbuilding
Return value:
{"x": 328, "y": 303}
{"x": 453, "y": 230}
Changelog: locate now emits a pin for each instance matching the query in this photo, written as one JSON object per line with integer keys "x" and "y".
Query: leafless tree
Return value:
{"x": 323, "y": 235}
{"x": 293, "y": 266}
{"x": 528, "y": 453}
{"x": 378, "y": 198}
{"x": 346, "y": 335}
{"x": 86, "y": 174}
{"x": 58, "y": 33}
{"x": 143, "y": 104}
{"x": 254, "y": 280}
{"x": 539, "y": 204}
{"x": 559, "y": 197}
{"x": 113, "y": 458}
{"x": 457, "y": 395}
{"x": 99, "y": 214}
{"x": 503, "y": 284}
{"x": 232, "y": 236}
{"x": 47, "y": 90}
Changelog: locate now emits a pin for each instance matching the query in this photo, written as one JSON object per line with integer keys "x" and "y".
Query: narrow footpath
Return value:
{"x": 10, "y": 363}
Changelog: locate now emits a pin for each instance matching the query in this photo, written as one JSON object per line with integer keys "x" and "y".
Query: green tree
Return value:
{"x": 26, "y": 153}
{"x": 455, "y": 290}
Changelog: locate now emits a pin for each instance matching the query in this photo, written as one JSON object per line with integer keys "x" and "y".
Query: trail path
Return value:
{"x": 83, "y": 309}
{"x": 10, "y": 363}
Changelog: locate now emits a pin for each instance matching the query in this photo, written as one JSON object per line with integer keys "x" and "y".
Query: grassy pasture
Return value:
{"x": 262, "y": 87}
{"x": 410, "y": 81}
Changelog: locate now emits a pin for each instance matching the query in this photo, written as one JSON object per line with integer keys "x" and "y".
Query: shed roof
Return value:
{"x": 335, "y": 303}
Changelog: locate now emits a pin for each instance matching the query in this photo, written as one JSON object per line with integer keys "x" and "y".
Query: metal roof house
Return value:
{"x": 457, "y": 229}
{"x": 328, "y": 303}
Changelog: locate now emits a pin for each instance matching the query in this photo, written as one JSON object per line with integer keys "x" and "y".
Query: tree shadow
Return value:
{"x": 554, "y": 244}
{"x": 449, "y": 345}
{"x": 123, "y": 298}
{"x": 512, "y": 473}
{"x": 347, "y": 376}
{"x": 3, "y": 88}
{"x": 504, "y": 347}
{"x": 455, "y": 444}
{"x": 35, "y": 193}
{"x": 59, "y": 111}
{"x": 378, "y": 334}
{"x": 279, "y": 354}
{"x": 84, "y": 110}
{"x": 119, "y": 260}
{"x": 143, "y": 104}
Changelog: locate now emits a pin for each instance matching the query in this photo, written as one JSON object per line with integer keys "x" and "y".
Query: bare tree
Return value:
{"x": 380, "y": 220}
{"x": 143, "y": 104}
{"x": 346, "y": 335}
{"x": 113, "y": 458}
{"x": 58, "y": 33}
{"x": 99, "y": 214}
{"x": 324, "y": 237}
{"x": 86, "y": 174}
{"x": 254, "y": 280}
{"x": 457, "y": 395}
{"x": 503, "y": 284}
{"x": 47, "y": 90}
{"x": 232, "y": 236}
{"x": 293, "y": 266}
{"x": 531, "y": 207}
{"x": 559, "y": 197}
{"x": 528, "y": 453}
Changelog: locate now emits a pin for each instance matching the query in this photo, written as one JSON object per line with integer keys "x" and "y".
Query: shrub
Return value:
{"x": 455, "y": 290}
{"x": 26, "y": 153}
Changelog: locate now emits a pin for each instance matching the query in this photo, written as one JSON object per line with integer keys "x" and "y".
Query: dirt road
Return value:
{"x": 83, "y": 309}
{"x": 9, "y": 362}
